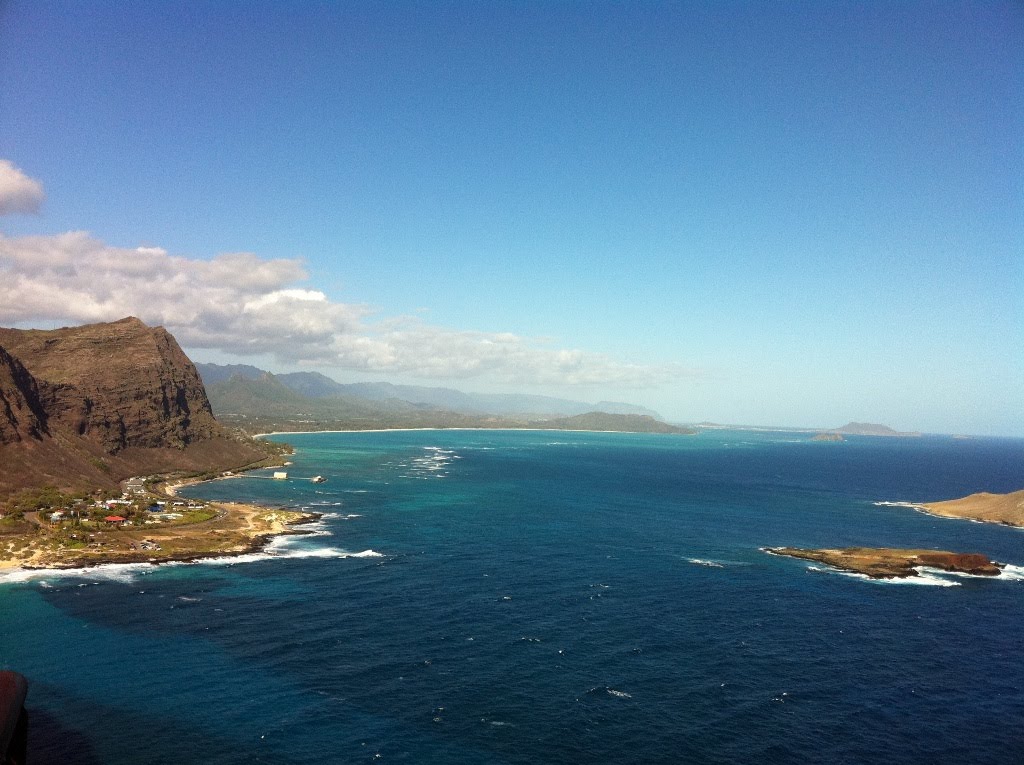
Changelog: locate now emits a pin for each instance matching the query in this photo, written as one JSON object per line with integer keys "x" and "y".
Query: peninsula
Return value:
{"x": 90, "y": 534}
{"x": 893, "y": 563}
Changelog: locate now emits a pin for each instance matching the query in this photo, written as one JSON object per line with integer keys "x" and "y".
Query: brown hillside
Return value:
{"x": 87, "y": 406}
{"x": 21, "y": 413}
{"x": 992, "y": 508}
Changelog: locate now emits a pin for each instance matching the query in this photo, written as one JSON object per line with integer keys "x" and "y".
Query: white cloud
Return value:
{"x": 244, "y": 305}
{"x": 18, "y": 192}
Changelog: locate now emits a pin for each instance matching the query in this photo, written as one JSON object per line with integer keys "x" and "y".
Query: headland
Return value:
{"x": 1007, "y": 509}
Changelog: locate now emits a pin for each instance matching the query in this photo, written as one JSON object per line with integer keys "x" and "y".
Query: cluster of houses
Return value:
{"x": 134, "y": 496}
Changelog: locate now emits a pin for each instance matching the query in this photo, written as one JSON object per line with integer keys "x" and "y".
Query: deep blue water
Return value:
{"x": 538, "y": 597}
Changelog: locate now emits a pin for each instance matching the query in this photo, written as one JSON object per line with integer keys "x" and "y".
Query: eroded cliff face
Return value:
{"x": 21, "y": 413}
{"x": 120, "y": 384}
{"x": 110, "y": 399}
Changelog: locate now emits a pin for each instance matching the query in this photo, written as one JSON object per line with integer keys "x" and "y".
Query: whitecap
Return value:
{"x": 607, "y": 691}
{"x": 364, "y": 554}
{"x": 703, "y": 562}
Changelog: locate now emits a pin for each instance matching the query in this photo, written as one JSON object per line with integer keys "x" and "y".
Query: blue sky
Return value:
{"x": 777, "y": 213}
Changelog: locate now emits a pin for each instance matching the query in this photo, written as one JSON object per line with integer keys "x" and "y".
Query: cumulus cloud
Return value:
{"x": 245, "y": 305}
{"x": 18, "y": 192}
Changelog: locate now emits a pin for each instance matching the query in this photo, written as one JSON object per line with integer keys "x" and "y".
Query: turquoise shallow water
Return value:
{"x": 538, "y": 597}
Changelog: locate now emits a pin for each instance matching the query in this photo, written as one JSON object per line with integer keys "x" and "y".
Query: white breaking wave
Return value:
{"x": 317, "y": 528}
{"x": 280, "y": 548}
{"x": 703, "y": 562}
{"x": 433, "y": 464}
{"x": 288, "y": 554}
{"x": 1013, "y": 573}
{"x": 958, "y": 574}
{"x": 922, "y": 579}
{"x": 108, "y": 572}
{"x": 597, "y": 690}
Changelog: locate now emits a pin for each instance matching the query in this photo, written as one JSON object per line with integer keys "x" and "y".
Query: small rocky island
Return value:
{"x": 892, "y": 563}
{"x": 829, "y": 437}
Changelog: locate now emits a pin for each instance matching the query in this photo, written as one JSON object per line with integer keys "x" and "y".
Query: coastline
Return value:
{"x": 238, "y": 529}
{"x": 983, "y": 507}
{"x": 1004, "y": 509}
{"x": 496, "y": 430}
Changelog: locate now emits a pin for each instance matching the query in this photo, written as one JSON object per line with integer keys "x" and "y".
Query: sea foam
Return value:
{"x": 107, "y": 572}
{"x": 926, "y": 579}
{"x": 707, "y": 563}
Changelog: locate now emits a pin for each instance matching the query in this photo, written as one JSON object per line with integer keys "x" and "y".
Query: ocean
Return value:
{"x": 549, "y": 597}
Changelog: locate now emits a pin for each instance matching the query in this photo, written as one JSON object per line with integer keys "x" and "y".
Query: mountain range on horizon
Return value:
{"x": 371, "y": 395}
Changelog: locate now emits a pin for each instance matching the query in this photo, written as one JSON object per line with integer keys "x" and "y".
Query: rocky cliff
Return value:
{"x": 89, "y": 405}
{"x": 21, "y": 412}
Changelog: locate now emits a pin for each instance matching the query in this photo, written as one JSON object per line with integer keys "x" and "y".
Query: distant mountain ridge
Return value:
{"x": 850, "y": 429}
{"x": 610, "y": 421}
{"x": 258, "y": 401}
{"x": 316, "y": 385}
